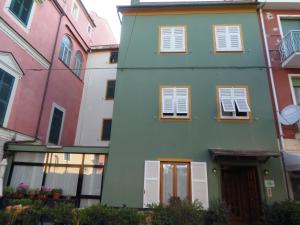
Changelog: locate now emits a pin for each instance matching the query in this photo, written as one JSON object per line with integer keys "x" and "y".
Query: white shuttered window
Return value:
{"x": 151, "y": 183}
{"x": 234, "y": 102}
{"x": 228, "y": 38}
{"x": 172, "y": 39}
{"x": 199, "y": 183}
{"x": 175, "y": 102}
{"x": 152, "y": 179}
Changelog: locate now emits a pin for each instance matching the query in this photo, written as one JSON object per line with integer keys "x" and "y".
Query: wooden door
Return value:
{"x": 241, "y": 193}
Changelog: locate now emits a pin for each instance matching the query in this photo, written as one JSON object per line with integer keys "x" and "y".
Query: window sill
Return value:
{"x": 235, "y": 119}
{"x": 78, "y": 77}
{"x": 184, "y": 118}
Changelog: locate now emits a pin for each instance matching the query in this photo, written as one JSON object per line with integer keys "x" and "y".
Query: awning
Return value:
{"x": 291, "y": 160}
{"x": 260, "y": 155}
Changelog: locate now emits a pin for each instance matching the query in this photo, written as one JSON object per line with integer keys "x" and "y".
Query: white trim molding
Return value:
{"x": 19, "y": 40}
{"x": 55, "y": 105}
{"x": 291, "y": 76}
{"x": 279, "y": 17}
{"x": 9, "y": 65}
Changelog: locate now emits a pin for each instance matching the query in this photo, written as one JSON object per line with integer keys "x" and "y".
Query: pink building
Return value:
{"x": 280, "y": 24}
{"x": 43, "y": 49}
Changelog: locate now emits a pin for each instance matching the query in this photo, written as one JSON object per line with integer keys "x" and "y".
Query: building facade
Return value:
{"x": 42, "y": 73}
{"x": 96, "y": 110}
{"x": 280, "y": 22}
{"x": 193, "y": 113}
{"x": 41, "y": 69}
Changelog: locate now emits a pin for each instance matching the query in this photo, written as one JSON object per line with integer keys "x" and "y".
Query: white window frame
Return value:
{"x": 55, "y": 105}
{"x": 291, "y": 76}
{"x": 228, "y": 49}
{"x": 175, "y": 116}
{"x": 78, "y": 64}
{"x": 24, "y": 27}
{"x": 9, "y": 65}
{"x": 75, "y": 16}
{"x": 172, "y": 50}
{"x": 234, "y": 116}
{"x": 284, "y": 16}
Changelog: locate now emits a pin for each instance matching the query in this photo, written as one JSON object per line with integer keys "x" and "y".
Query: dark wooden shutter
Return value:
{"x": 106, "y": 129}
{"x": 6, "y": 85}
{"x": 55, "y": 128}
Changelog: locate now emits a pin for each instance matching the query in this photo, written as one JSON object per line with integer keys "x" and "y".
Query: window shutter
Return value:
{"x": 228, "y": 38}
{"x": 234, "y": 34}
{"x": 182, "y": 100}
{"x": 172, "y": 39}
{"x": 240, "y": 98}
{"x": 168, "y": 100}
{"x": 151, "y": 183}
{"x": 226, "y": 98}
{"x": 166, "y": 37}
{"x": 179, "y": 39}
{"x": 221, "y": 38}
{"x": 199, "y": 183}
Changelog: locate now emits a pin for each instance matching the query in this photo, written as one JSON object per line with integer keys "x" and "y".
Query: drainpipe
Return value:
{"x": 281, "y": 140}
{"x": 5, "y": 146}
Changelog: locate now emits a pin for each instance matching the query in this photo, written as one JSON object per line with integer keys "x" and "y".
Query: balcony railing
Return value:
{"x": 289, "y": 46}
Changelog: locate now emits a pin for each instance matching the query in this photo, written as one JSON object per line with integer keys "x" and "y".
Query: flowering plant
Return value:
{"x": 45, "y": 190}
{"x": 22, "y": 188}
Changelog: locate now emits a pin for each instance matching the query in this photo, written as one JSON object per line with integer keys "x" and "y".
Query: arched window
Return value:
{"x": 77, "y": 63}
{"x": 65, "y": 50}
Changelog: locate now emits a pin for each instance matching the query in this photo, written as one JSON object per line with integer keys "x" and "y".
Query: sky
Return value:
{"x": 107, "y": 9}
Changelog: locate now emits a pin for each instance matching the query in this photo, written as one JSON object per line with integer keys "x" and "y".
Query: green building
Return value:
{"x": 193, "y": 114}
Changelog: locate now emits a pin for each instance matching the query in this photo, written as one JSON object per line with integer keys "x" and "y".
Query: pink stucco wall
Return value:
{"x": 281, "y": 75}
{"x": 64, "y": 88}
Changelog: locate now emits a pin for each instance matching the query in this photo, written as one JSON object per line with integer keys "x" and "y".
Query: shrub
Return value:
{"x": 8, "y": 191}
{"x": 178, "y": 212}
{"x": 61, "y": 213}
{"x": 283, "y": 213}
{"x": 103, "y": 215}
{"x": 217, "y": 214}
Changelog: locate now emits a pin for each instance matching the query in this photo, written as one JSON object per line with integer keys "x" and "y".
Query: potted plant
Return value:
{"x": 22, "y": 190}
{"x": 56, "y": 193}
{"x": 32, "y": 193}
{"x": 8, "y": 192}
{"x": 44, "y": 192}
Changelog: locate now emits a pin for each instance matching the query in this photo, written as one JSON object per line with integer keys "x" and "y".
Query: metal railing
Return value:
{"x": 289, "y": 44}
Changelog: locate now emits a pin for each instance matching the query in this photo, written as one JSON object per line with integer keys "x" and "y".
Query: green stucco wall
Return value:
{"x": 137, "y": 132}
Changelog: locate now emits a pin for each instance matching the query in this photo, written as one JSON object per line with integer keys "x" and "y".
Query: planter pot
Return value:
{"x": 19, "y": 195}
{"x": 41, "y": 196}
{"x": 56, "y": 195}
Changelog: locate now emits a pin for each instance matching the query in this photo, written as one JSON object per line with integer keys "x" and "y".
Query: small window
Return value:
{"x": 113, "y": 57}
{"x": 89, "y": 29}
{"x": 106, "y": 128}
{"x": 175, "y": 181}
{"x": 172, "y": 39}
{"x": 296, "y": 87}
{"x": 228, "y": 38}
{"x": 6, "y": 85}
{"x": 77, "y": 63}
{"x": 110, "y": 89}
{"x": 75, "y": 10}
{"x": 233, "y": 103}
{"x": 21, "y": 9}
{"x": 56, "y": 126}
{"x": 175, "y": 102}
{"x": 65, "y": 50}
{"x": 67, "y": 156}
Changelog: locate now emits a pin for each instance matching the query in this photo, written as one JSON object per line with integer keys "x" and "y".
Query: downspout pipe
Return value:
{"x": 275, "y": 99}
{"x": 5, "y": 146}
